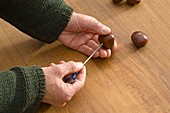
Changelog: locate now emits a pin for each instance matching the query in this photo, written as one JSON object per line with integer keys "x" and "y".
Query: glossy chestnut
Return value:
{"x": 139, "y": 39}
{"x": 116, "y": 1}
{"x": 133, "y": 2}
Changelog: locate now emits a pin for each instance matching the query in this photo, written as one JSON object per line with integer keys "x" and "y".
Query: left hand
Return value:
{"x": 82, "y": 33}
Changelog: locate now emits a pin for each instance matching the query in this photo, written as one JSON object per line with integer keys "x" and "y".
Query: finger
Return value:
{"x": 114, "y": 48}
{"x": 92, "y": 44}
{"x": 62, "y": 62}
{"x": 102, "y": 53}
{"x": 68, "y": 78}
{"x": 81, "y": 77}
{"x": 95, "y": 38}
{"x": 69, "y": 68}
{"x": 88, "y": 22}
{"x": 87, "y": 50}
{"x": 108, "y": 51}
{"x": 78, "y": 41}
{"x": 52, "y": 64}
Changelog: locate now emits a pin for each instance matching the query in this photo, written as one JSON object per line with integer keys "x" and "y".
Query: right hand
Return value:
{"x": 57, "y": 92}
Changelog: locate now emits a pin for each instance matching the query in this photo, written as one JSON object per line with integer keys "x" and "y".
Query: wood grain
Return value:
{"x": 131, "y": 81}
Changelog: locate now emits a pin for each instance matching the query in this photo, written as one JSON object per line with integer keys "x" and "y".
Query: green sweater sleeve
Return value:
{"x": 21, "y": 89}
{"x": 42, "y": 19}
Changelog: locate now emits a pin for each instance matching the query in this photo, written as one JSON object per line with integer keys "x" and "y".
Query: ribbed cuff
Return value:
{"x": 30, "y": 88}
{"x": 41, "y": 92}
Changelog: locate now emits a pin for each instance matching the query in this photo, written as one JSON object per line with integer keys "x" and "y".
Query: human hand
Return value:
{"x": 82, "y": 33}
{"x": 57, "y": 92}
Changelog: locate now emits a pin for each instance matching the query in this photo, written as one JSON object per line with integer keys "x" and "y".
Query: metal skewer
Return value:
{"x": 73, "y": 76}
{"x": 92, "y": 54}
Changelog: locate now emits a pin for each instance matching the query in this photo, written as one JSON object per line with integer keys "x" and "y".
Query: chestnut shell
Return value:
{"x": 139, "y": 39}
{"x": 116, "y": 1}
{"x": 133, "y": 2}
{"x": 107, "y": 40}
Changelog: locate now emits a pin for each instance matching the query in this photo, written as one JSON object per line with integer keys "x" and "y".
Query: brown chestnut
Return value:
{"x": 116, "y": 1}
{"x": 133, "y": 2}
{"x": 139, "y": 39}
{"x": 107, "y": 40}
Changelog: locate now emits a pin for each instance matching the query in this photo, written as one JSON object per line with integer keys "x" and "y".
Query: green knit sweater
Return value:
{"x": 22, "y": 88}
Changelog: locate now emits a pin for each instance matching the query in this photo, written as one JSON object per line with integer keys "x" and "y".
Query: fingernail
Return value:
{"x": 105, "y": 30}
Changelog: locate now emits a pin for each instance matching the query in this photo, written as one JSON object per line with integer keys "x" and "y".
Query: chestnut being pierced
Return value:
{"x": 139, "y": 39}
{"x": 107, "y": 40}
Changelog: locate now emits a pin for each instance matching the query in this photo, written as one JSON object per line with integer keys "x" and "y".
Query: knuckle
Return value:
{"x": 98, "y": 24}
{"x": 92, "y": 18}
{"x": 58, "y": 71}
{"x": 68, "y": 96}
{"x": 86, "y": 19}
{"x": 72, "y": 65}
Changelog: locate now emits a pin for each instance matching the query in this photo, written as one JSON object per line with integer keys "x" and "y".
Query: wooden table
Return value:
{"x": 131, "y": 81}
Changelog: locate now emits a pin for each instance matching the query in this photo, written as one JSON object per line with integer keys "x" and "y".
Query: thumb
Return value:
{"x": 71, "y": 67}
{"x": 90, "y": 23}
{"x": 83, "y": 22}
